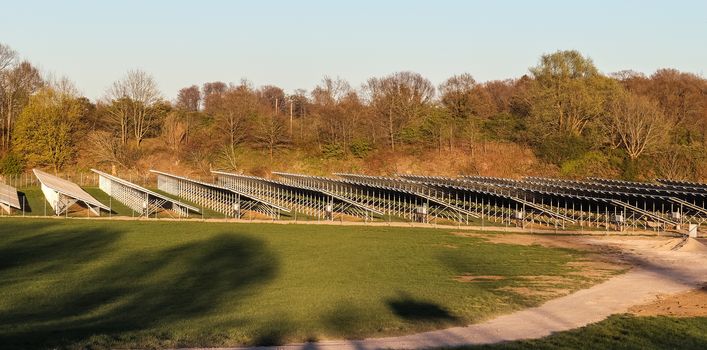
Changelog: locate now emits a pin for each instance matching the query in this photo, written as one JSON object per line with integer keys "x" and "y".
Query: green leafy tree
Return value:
{"x": 47, "y": 127}
{"x": 569, "y": 93}
{"x": 435, "y": 128}
{"x": 11, "y": 164}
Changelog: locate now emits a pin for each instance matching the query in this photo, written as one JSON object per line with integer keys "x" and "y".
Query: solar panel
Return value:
{"x": 305, "y": 188}
{"x": 682, "y": 183}
{"x": 8, "y": 196}
{"x": 144, "y": 190}
{"x": 67, "y": 188}
{"x": 400, "y": 186}
{"x": 207, "y": 184}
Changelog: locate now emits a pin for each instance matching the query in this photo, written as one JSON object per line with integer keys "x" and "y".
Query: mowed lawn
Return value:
{"x": 129, "y": 284}
{"x": 621, "y": 332}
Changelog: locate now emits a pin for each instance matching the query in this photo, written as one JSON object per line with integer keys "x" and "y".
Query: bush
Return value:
{"x": 560, "y": 148}
{"x": 631, "y": 170}
{"x": 592, "y": 163}
{"x": 504, "y": 127}
{"x": 360, "y": 148}
{"x": 333, "y": 150}
{"x": 410, "y": 135}
{"x": 11, "y": 164}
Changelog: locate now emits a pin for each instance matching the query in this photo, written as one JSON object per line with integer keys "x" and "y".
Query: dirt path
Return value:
{"x": 688, "y": 304}
{"x": 658, "y": 271}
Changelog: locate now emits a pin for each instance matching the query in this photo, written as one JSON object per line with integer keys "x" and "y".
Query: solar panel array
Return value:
{"x": 315, "y": 202}
{"x": 222, "y": 199}
{"x": 570, "y": 201}
{"x": 67, "y": 188}
{"x": 9, "y": 197}
{"x": 141, "y": 199}
{"x": 591, "y": 202}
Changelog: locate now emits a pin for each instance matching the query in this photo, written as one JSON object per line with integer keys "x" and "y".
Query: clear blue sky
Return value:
{"x": 293, "y": 44}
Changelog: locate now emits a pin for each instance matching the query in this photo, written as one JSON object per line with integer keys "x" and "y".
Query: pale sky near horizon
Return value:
{"x": 293, "y": 44}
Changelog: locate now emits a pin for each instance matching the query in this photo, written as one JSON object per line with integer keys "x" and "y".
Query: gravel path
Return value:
{"x": 657, "y": 271}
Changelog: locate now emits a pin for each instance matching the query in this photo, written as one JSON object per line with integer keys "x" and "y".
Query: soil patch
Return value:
{"x": 526, "y": 240}
{"x": 546, "y": 280}
{"x": 688, "y": 304}
{"x": 602, "y": 262}
{"x": 535, "y": 292}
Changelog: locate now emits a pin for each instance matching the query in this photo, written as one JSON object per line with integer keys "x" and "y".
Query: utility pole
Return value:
{"x": 291, "y": 105}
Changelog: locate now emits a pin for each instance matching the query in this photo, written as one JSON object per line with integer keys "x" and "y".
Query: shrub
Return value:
{"x": 333, "y": 150}
{"x": 504, "y": 127}
{"x": 559, "y": 148}
{"x": 360, "y": 148}
{"x": 592, "y": 163}
{"x": 11, "y": 164}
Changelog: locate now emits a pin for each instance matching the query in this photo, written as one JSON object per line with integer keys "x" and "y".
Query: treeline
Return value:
{"x": 571, "y": 115}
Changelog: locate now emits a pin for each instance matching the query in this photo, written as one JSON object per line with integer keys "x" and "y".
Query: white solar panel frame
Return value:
{"x": 145, "y": 190}
{"x": 67, "y": 188}
{"x": 9, "y": 197}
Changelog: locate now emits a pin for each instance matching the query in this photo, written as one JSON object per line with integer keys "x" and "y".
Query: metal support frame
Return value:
{"x": 222, "y": 199}
{"x": 141, "y": 200}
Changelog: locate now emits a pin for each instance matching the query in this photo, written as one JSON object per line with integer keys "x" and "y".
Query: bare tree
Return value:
{"x": 189, "y": 98}
{"x": 8, "y": 56}
{"x": 399, "y": 99}
{"x": 271, "y": 133}
{"x": 331, "y": 91}
{"x": 174, "y": 130}
{"x": 7, "y": 59}
{"x": 134, "y": 97}
{"x": 337, "y": 108}
{"x": 636, "y": 124}
{"x": 465, "y": 102}
{"x": 215, "y": 87}
{"x": 17, "y": 84}
{"x": 229, "y": 157}
{"x": 678, "y": 162}
{"x": 117, "y": 115}
{"x": 234, "y": 110}
{"x": 274, "y": 97}
{"x": 105, "y": 148}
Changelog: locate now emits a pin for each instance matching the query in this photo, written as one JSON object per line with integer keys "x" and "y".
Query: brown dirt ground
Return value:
{"x": 525, "y": 239}
{"x": 599, "y": 265}
{"x": 688, "y": 304}
{"x": 602, "y": 257}
{"x": 538, "y": 292}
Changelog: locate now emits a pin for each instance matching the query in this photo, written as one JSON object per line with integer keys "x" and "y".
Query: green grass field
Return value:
{"x": 36, "y": 205}
{"x": 621, "y": 332}
{"x": 89, "y": 283}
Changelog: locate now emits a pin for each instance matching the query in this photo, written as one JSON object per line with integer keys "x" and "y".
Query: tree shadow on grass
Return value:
{"x": 53, "y": 250}
{"x": 411, "y": 309}
{"x": 274, "y": 333}
{"x": 119, "y": 295}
